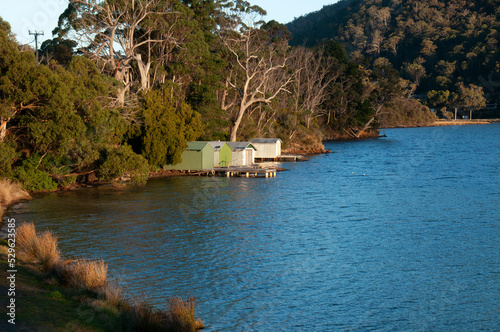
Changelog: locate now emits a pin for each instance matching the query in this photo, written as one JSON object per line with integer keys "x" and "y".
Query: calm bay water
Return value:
{"x": 397, "y": 233}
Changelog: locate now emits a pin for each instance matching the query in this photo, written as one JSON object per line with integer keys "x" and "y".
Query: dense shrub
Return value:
{"x": 46, "y": 251}
{"x": 169, "y": 123}
{"x": 123, "y": 162}
{"x": 35, "y": 179}
{"x": 65, "y": 181}
{"x": 8, "y": 155}
{"x": 179, "y": 316}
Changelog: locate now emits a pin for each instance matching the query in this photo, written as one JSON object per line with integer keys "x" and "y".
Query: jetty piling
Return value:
{"x": 247, "y": 172}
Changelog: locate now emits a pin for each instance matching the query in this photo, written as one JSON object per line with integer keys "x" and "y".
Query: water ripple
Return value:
{"x": 401, "y": 233}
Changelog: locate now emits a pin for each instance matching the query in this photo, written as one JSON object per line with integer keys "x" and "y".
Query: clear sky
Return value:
{"x": 284, "y": 11}
{"x": 42, "y": 15}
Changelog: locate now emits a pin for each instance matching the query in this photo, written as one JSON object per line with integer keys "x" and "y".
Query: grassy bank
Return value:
{"x": 56, "y": 294}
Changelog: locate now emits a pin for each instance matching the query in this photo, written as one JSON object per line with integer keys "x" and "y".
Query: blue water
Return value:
{"x": 398, "y": 233}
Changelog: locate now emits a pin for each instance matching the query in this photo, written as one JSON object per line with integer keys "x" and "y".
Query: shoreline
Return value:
{"x": 23, "y": 195}
{"x": 462, "y": 122}
{"x": 443, "y": 122}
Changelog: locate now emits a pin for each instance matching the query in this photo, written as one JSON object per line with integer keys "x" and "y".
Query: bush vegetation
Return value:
{"x": 35, "y": 180}
{"x": 123, "y": 162}
{"x": 181, "y": 315}
{"x": 403, "y": 112}
{"x": 433, "y": 44}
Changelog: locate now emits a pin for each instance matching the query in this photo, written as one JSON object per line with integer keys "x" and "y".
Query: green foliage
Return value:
{"x": 65, "y": 181}
{"x": 438, "y": 98}
{"x": 168, "y": 125}
{"x": 123, "y": 162}
{"x": 33, "y": 178}
{"x": 60, "y": 116}
{"x": 56, "y": 295}
{"x": 470, "y": 97}
{"x": 202, "y": 99}
{"x": 8, "y": 155}
{"x": 58, "y": 49}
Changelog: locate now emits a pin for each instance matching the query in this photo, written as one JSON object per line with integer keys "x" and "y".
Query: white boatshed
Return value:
{"x": 243, "y": 153}
{"x": 267, "y": 148}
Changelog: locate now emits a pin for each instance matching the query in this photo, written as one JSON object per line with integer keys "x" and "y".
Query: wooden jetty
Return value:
{"x": 265, "y": 170}
{"x": 283, "y": 158}
{"x": 246, "y": 171}
{"x": 259, "y": 170}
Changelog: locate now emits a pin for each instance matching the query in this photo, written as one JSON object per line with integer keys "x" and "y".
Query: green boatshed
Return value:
{"x": 222, "y": 154}
{"x": 197, "y": 156}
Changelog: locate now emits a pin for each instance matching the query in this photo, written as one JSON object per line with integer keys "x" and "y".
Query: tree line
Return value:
{"x": 447, "y": 50}
{"x": 124, "y": 85}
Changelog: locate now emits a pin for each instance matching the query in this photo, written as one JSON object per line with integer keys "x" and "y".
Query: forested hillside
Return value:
{"x": 441, "y": 47}
{"x": 123, "y": 86}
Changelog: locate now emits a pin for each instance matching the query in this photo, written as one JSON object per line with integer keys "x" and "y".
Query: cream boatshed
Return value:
{"x": 267, "y": 148}
{"x": 243, "y": 153}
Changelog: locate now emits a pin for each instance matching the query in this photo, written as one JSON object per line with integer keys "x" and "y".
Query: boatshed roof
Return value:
{"x": 240, "y": 145}
{"x": 264, "y": 140}
{"x": 196, "y": 146}
{"x": 217, "y": 145}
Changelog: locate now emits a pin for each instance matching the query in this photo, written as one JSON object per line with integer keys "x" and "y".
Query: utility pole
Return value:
{"x": 36, "y": 34}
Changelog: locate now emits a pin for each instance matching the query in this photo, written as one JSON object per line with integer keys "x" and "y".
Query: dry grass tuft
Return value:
{"x": 87, "y": 274}
{"x": 11, "y": 192}
{"x": 46, "y": 251}
{"x": 25, "y": 239}
{"x": 181, "y": 315}
{"x": 39, "y": 248}
{"x": 61, "y": 272}
{"x": 112, "y": 293}
{"x": 143, "y": 317}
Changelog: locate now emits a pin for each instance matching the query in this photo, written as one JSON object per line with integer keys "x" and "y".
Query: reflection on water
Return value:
{"x": 400, "y": 233}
